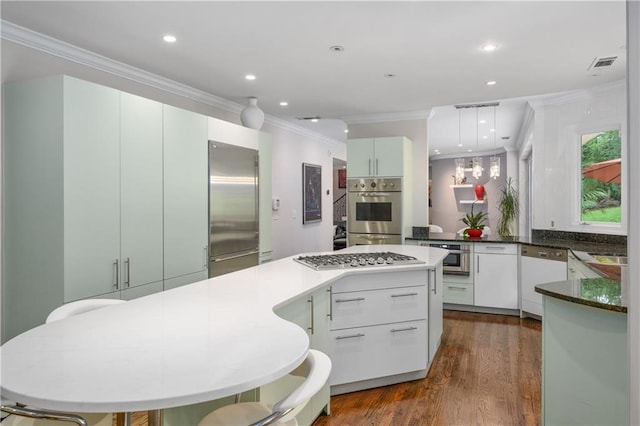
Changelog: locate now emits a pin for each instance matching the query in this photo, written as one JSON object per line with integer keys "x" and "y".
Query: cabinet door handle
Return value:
{"x": 376, "y": 166}
{"x": 478, "y": 263}
{"x": 369, "y": 165}
{"x": 404, "y": 295}
{"x": 312, "y": 328}
{"x": 456, "y": 288}
{"x": 351, "y": 336}
{"x": 205, "y": 264}
{"x": 117, "y": 273}
{"x": 357, "y": 299}
{"x": 127, "y": 269}
{"x": 396, "y": 330}
{"x": 435, "y": 282}
{"x": 330, "y": 314}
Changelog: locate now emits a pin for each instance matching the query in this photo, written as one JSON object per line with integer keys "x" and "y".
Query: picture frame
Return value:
{"x": 342, "y": 178}
{"x": 311, "y": 193}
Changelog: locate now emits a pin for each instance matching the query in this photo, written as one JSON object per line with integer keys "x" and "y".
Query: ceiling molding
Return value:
{"x": 385, "y": 117}
{"x": 37, "y": 41}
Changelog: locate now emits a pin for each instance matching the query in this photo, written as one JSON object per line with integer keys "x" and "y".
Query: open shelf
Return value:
{"x": 471, "y": 201}
{"x": 464, "y": 185}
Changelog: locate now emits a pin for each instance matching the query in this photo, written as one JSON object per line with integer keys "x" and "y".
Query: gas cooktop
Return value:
{"x": 323, "y": 262}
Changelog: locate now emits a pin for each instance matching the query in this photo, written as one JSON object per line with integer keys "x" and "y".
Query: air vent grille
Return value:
{"x": 603, "y": 62}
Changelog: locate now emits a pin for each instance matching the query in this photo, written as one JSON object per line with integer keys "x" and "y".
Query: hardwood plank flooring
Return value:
{"x": 487, "y": 372}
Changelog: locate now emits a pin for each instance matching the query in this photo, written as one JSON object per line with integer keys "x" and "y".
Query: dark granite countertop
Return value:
{"x": 574, "y": 245}
{"x": 600, "y": 293}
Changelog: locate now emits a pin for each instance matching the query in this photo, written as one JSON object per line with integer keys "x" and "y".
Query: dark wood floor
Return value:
{"x": 487, "y": 372}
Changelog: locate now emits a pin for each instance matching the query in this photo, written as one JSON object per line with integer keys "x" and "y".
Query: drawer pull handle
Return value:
{"x": 396, "y": 330}
{"x": 404, "y": 295}
{"x": 357, "y": 299}
{"x": 456, "y": 288}
{"x": 351, "y": 336}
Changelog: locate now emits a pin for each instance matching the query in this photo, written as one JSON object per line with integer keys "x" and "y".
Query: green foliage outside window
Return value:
{"x": 601, "y": 200}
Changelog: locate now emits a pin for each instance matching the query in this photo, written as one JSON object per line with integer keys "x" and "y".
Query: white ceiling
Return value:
{"x": 433, "y": 48}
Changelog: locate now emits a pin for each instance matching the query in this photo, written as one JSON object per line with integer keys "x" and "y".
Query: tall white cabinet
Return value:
{"x": 90, "y": 205}
{"x": 185, "y": 197}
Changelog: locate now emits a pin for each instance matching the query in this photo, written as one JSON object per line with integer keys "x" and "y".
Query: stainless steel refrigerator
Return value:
{"x": 233, "y": 208}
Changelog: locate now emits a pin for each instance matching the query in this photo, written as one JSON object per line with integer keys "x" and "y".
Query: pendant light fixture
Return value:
{"x": 476, "y": 161}
{"x": 494, "y": 161}
{"x": 459, "y": 177}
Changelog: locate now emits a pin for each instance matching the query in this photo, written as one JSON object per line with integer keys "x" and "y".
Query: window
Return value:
{"x": 601, "y": 167}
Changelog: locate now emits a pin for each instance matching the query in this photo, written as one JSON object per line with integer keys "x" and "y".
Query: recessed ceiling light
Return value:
{"x": 482, "y": 121}
{"x": 492, "y": 130}
{"x": 459, "y": 144}
{"x": 315, "y": 120}
{"x": 469, "y": 150}
{"x": 250, "y": 77}
{"x": 169, "y": 38}
{"x": 491, "y": 83}
{"x": 284, "y": 103}
{"x": 346, "y": 130}
{"x": 489, "y": 47}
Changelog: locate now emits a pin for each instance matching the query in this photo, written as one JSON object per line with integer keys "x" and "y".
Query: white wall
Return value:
{"x": 416, "y": 130}
{"x": 557, "y": 124}
{"x": 290, "y": 150}
{"x": 633, "y": 245}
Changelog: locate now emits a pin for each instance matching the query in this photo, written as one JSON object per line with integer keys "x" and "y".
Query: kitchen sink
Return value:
{"x": 610, "y": 260}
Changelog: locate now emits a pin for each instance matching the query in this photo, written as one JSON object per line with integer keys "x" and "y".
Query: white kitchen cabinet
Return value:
{"x": 185, "y": 192}
{"x": 377, "y": 157}
{"x": 378, "y": 330}
{"x": 83, "y": 190}
{"x": 496, "y": 275}
{"x": 312, "y": 314}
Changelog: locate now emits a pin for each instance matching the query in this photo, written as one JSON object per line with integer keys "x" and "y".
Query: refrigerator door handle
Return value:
{"x": 234, "y": 256}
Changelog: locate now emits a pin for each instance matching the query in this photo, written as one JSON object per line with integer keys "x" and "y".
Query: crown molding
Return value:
{"x": 385, "y": 117}
{"x": 37, "y": 41}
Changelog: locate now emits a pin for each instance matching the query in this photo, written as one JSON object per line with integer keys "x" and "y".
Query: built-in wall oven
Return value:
{"x": 374, "y": 211}
{"x": 458, "y": 260}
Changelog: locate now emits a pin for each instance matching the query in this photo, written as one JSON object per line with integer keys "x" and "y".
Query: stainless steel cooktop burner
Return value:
{"x": 324, "y": 262}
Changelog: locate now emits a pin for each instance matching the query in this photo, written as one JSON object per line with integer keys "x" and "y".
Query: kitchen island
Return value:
{"x": 188, "y": 345}
{"x": 584, "y": 360}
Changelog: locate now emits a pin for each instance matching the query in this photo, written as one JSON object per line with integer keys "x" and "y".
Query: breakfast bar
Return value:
{"x": 191, "y": 344}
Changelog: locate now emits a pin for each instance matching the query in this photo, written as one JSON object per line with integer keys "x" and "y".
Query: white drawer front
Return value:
{"x": 378, "y": 351}
{"x": 380, "y": 279}
{"x": 362, "y": 308}
{"x": 496, "y": 248}
{"x": 460, "y": 293}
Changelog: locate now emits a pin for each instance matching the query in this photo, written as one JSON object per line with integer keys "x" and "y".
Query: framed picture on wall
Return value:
{"x": 311, "y": 193}
{"x": 342, "y": 178}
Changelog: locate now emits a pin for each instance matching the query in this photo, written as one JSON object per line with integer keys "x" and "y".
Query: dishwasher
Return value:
{"x": 539, "y": 265}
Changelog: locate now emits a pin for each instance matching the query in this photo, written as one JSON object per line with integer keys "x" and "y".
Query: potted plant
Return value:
{"x": 474, "y": 222}
{"x": 509, "y": 207}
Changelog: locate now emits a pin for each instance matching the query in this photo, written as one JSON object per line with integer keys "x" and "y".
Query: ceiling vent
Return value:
{"x": 602, "y": 62}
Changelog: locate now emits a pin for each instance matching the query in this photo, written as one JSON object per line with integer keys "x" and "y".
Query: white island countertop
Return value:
{"x": 195, "y": 343}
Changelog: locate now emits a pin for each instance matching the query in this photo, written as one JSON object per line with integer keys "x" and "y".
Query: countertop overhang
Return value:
{"x": 601, "y": 293}
{"x": 195, "y": 343}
